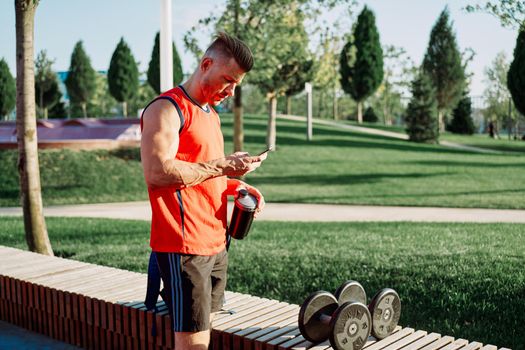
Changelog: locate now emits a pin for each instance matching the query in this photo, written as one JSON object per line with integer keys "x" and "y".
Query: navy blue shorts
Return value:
{"x": 193, "y": 288}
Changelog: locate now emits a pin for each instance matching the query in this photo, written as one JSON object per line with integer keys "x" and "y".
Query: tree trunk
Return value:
{"x": 288, "y": 104}
{"x": 84, "y": 109}
{"x": 125, "y": 109}
{"x": 271, "y": 135}
{"x": 335, "y": 112}
{"x": 238, "y": 130}
{"x": 359, "y": 112}
{"x": 441, "y": 121}
{"x": 28, "y": 168}
{"x": 41, "y": 101}
{"x": 321, "y": 101}
{"x": 45, "y": 113}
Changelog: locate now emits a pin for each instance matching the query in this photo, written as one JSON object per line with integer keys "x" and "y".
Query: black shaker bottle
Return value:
{"x": 242, "y": 215}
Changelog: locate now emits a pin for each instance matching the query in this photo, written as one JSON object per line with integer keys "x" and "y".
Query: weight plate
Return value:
{"x": 350, "y": 326}
{"x": 385, "y": 308}
{"x": 350, "y": 291}
{"x": 310, "y": 324}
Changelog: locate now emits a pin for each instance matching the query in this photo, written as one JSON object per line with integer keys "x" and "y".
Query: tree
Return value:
{"x": 399, "y": 73}
{"x": 284, "y": 39}
{"x": 58, "y": 111}
{"x": 421, "y": 113}
{"x": 363, "y": 78}
{"x": 28, "y": 168}
{"x": 102, "y": 102}
{"x": 252, "y": 22}
{"x": 496, "y": 93}
{"x": 80, "y": 81}
{"x": 154, "y": 66}
{"x": 7, "y": 90}
{"x": 511, "y": 13}
{"x": 442, "y": 62}
{"x": 462, "y": 117}
{"x": 370, "y": 116}
{"x": 516, "y": 74}
{"x": 304, "y": 71}
{"x": 46, "y": 85}
{"x": 326, "y": 66}
{"x": 123, "y": 75}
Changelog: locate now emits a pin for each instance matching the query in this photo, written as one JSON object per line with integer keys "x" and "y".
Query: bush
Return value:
{"x": 461, "y": 117}
{"x": 370, "y": 116}
{"x": 421, "y": 113}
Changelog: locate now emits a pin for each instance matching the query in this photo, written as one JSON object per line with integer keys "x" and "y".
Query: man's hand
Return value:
{"x": 240, "y": 163}
{"x": 234, "y": 186}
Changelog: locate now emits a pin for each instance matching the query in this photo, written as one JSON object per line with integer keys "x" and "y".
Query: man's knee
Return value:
{"x": 192, "y": 340}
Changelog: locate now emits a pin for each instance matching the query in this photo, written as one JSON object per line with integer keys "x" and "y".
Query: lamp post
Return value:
{"x": 166, "y": 46}
{"x": 308, "y": 90}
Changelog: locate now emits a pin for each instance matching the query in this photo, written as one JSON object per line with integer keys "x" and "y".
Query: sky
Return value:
{"x": 100, "y": 24}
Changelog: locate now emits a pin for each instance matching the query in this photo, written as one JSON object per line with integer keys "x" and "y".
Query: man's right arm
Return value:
{"x": 159, "y": 145}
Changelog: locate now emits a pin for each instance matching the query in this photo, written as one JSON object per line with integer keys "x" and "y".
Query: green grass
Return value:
{"x": 394, "y": 128}
{"x": 464, "y": 280}
{"x": 345, "y": 167}
{"x": 484, "y": 141}
{"x": 76, "y": 177}
{"x": 338, "y": 166}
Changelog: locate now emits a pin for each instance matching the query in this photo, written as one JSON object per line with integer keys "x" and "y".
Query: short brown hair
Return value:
{"x": 232, "y": 47}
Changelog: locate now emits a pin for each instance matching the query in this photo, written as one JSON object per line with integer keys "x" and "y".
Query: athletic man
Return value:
{"x": 186, "y": 172}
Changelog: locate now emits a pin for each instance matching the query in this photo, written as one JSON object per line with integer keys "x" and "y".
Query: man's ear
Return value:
{"x": 206, "y": 63}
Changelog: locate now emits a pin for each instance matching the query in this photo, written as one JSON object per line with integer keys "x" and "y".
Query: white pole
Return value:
{"x": 166, "y": 52}
{"x": 308, "y": 89}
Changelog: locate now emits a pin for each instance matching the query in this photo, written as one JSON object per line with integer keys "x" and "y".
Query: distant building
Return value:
{"x": 87, "y": 133}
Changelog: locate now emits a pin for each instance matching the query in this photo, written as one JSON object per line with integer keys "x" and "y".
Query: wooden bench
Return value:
{"x": 99, "y": 307}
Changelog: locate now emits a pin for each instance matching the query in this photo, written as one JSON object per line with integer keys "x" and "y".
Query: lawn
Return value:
{"x": 484, "y": 141}
{"x": 464, "y": 280}
{"x": 338, "y": 166}
{"x": 476, "y": 140}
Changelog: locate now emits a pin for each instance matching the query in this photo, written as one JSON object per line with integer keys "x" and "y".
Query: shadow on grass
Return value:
{"x": 347, "y": 139}
{"x": 343, "y": 179}
{"x": 334, "y": 198}
{"x": 467, "y": 164}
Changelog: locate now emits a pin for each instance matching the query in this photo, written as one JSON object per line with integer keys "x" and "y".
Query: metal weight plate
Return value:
{"x": 350, "y": 326}
{"x": 385, "y": 308}
{"x": 310, "y": 324}
{"x": 350, "y": 291}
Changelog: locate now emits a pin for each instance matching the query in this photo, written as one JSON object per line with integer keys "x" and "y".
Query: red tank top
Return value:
{"x": 191, "y": 220}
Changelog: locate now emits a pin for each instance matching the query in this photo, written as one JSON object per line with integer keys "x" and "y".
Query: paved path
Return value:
{"x": 299, "y": 212}
{"x": 386, "y": 133}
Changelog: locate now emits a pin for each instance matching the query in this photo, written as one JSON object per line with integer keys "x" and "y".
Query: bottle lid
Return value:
{"x": 246, "y": 201}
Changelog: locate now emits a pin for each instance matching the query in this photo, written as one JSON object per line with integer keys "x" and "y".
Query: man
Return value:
{"x": 186, "y": 172}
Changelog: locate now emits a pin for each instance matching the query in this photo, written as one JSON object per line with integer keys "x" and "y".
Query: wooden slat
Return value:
{"x": 430, "y": 338}
{"x": 283, "y": 338}
{"x": 269, "y": 332}
{"x": 457, "y": 344}
{"x": 248, "y": 324}
{"x": 391, "y": 339}
{"x": 473, "y": 346}
{"x": 247, "y": 335}
{"x": 406, "y": 340}
{"x": 443, "y": 341}
{"x": 492, "y": 347}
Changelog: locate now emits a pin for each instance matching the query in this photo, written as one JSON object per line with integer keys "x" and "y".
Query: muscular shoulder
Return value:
{"x": 161, "y": 114}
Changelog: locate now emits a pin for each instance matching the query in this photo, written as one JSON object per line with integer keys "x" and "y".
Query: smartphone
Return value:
{"x": 266, "y": 150}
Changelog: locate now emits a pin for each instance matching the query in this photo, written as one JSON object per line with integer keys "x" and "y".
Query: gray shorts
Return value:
{"x": 193, "y": 288}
